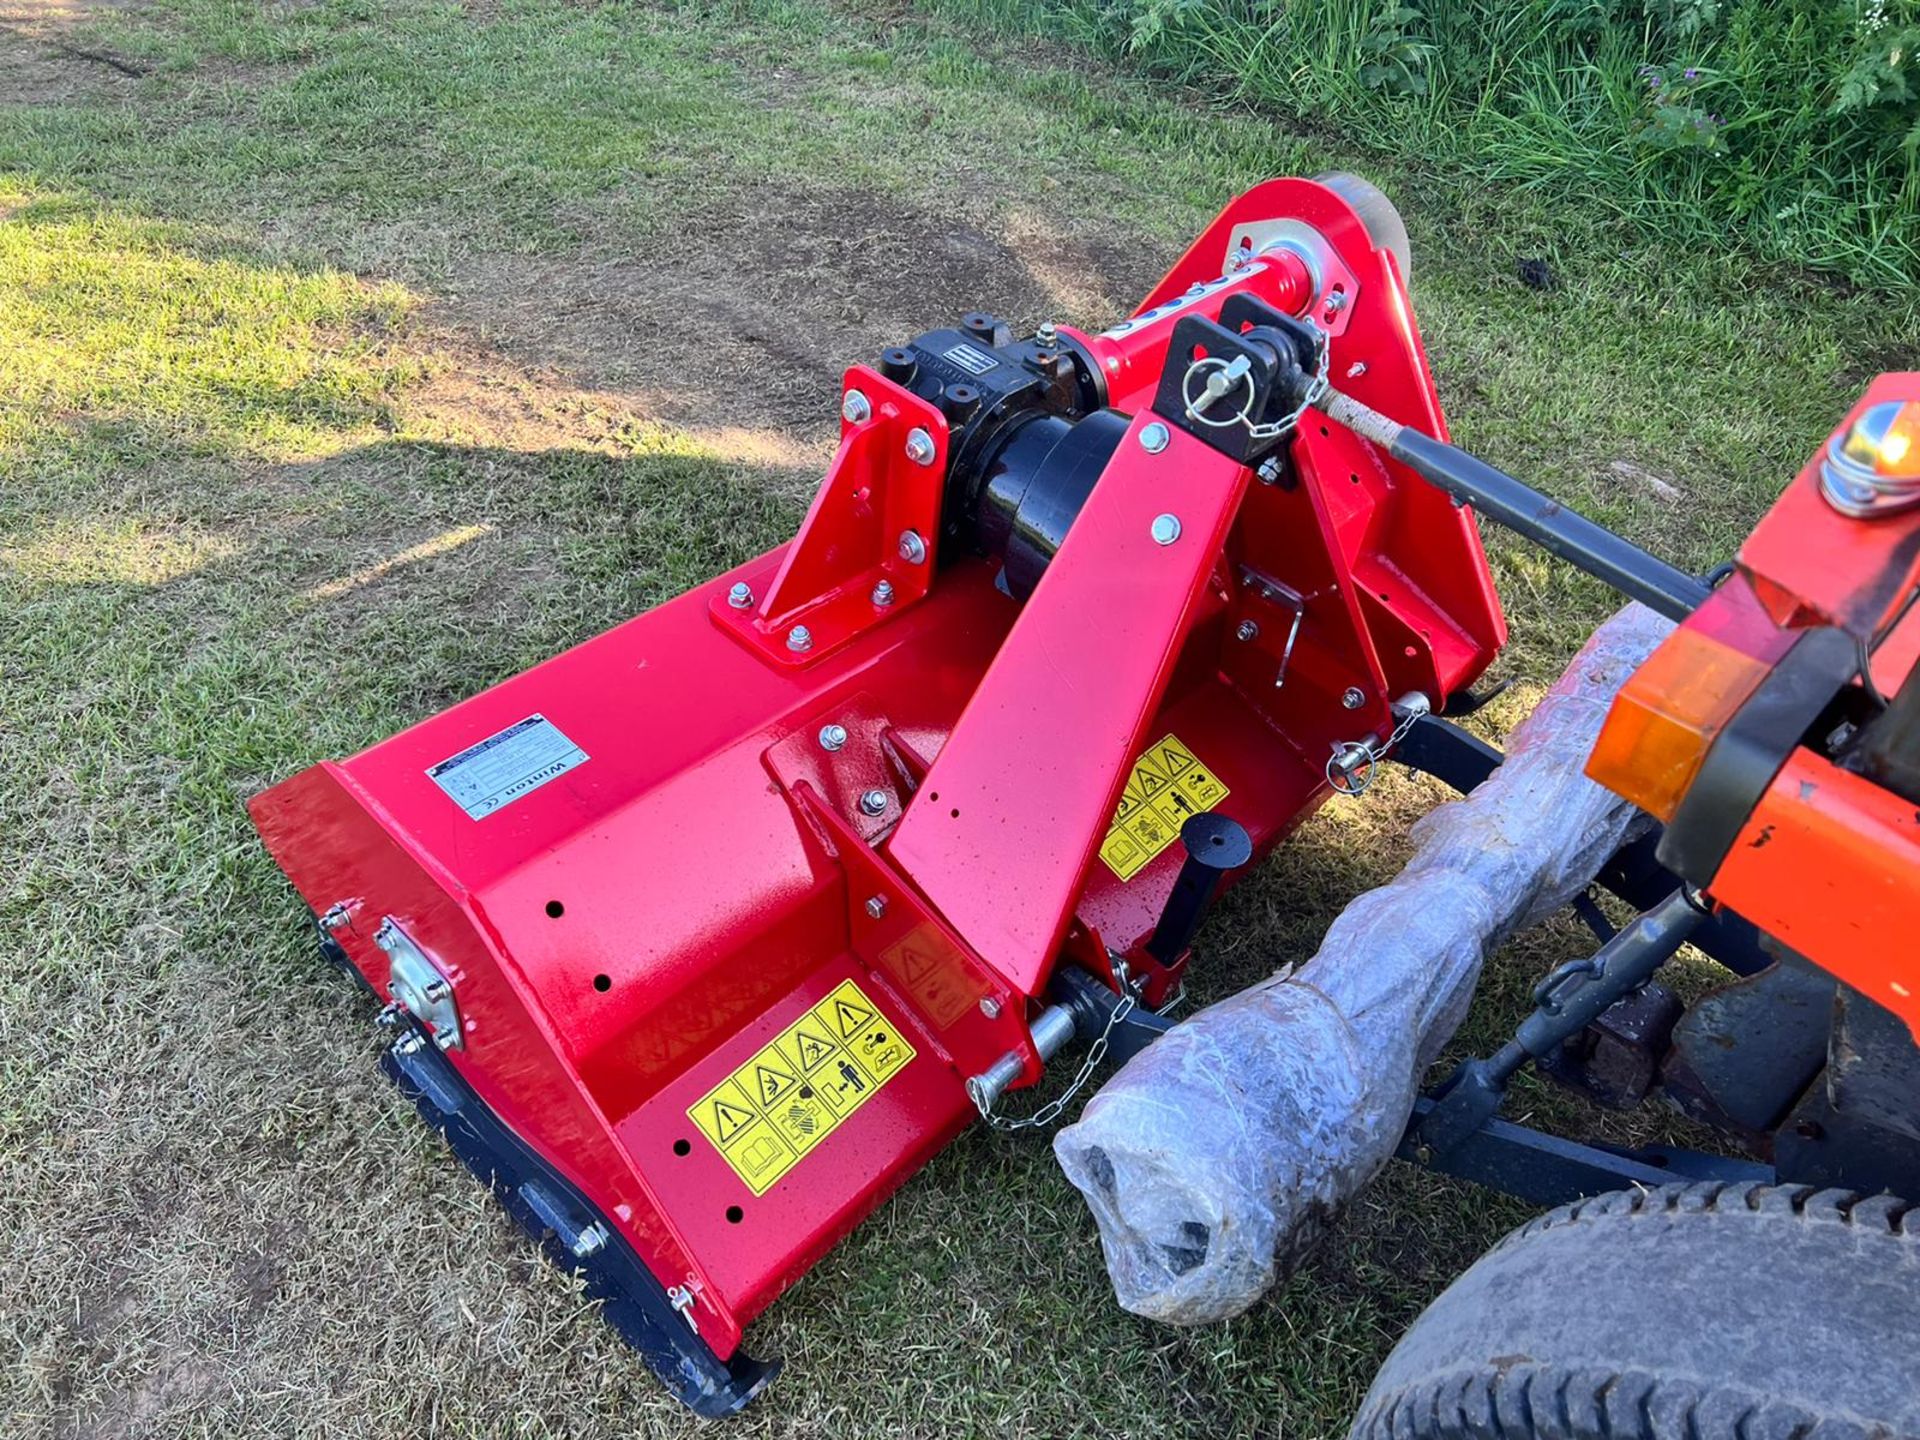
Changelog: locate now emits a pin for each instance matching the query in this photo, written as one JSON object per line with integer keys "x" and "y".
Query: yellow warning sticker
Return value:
{"x": 1167, "y": 785}
{"x": 790, "y": 1096}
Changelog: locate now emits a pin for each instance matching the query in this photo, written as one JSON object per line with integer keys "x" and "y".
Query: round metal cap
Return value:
{"x": 1873, "y": 467}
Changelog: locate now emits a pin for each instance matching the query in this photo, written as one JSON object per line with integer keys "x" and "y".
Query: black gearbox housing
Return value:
{"x": 1028, "y": 435}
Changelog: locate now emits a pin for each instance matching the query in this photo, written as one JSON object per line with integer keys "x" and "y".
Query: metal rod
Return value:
{"x": 1564, "y": 1004}
{"x": 1052, "y": 1028}
{"x": 1497, "y": 495}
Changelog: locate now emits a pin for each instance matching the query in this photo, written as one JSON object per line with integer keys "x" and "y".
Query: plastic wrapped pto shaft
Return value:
{"x": 1215, "y": 1159}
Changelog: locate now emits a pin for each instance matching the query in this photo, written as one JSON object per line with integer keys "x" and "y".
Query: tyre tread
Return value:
{"x": 1540, "y": 1402}
{"x": 1515, "y": 1398}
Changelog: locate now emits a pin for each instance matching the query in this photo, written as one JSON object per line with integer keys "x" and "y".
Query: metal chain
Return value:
{"x": 1196, "y": 405}
{"x": 1356, "y": 783}
{"x": 1096, "y": 1052}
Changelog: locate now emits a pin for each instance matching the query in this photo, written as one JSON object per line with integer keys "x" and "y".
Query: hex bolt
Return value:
{"x": 446, "y": 1039}
{"x": 438, "y": 990}
{"x": 855, "y": 408}
{"x": 590, "y": 1241}
{"x": 1354, "y": 697}
{"x": 741, "y": 595}
{"x": 1154, "y": 437}
{"x": 876, "y": 905}
{"x": 1247, "y": 631}
{"x": 1336, "y": 302}
{"x": 920, "y": 446}
{"x": 1166, "y": 529}
{"x": 990, "y": 1007}
{"x": 913, "y": 549}
{"x": 799, "y": 638}
{"x": 873, "y": 802}
{"x": 832, "y": 737}
{"x": 883, "y": 593}
{"x": 1269, "y": 471}
{"x": 337, "y": 916}
{"x": 1048, "y": 334}
{"x": 1356, "y": 369}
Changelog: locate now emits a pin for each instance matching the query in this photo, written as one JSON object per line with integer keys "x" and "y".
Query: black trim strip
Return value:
{"x": 548, "y": 1207}
{"x": 1745, "y": 756}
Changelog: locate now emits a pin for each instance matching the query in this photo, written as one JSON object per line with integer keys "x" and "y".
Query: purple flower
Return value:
{"x": 1692, "y": 74}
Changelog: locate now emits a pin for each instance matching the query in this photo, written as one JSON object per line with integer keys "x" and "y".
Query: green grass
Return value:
{"x": 359, "y": 356}
{"x": 1792, "y": 125}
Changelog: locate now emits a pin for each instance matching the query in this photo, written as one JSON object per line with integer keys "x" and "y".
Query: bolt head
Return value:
{"x": 591, "y": 1241}
{"x": 990, "y": 1007}
{"x": 913, "y": 549}
{"x": 883, "y": 593}
{"x": 799, "y": 638}
{"x": 1269, "y": 471}
{"x": 832, "y": 737}
{"x": 873, "y": 802}
{"x": 1356, "y": 369}
{"x": 1154, "y": 437}
{"x": 741, "y": 595}
{"x": 446, "y": 1039}
{"x": 1247, "y": 631}
{"x": 876, "y": 905}
{"x": 1166, "y": 529}
{"x": 920, "y": 447}
{"x": 336, "y": 917}
{"x": 1047, "y": 333}
{"x": 855, "y": 408}
{"x": 1354, "y": 697}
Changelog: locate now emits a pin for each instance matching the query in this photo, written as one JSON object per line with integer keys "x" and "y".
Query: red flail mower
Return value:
{"x": 697, "y": 940}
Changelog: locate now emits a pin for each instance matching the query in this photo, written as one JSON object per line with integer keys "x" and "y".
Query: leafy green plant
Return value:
{"x": 1882, "y": 84}
{"x": 1793, "y": 125}
{"x": 1674, "y": 118}
{"x": 1397, "y": 56}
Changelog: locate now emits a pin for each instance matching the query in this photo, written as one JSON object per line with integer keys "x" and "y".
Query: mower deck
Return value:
{"x": 735, "y": 915}
{"x": 622, "y": 1014}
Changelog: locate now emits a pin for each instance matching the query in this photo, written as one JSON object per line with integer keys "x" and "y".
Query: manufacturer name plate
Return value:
{"x": 506, "y": 767}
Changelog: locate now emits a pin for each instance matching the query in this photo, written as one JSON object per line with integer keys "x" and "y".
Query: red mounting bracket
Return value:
{"x": 866, "y": 550}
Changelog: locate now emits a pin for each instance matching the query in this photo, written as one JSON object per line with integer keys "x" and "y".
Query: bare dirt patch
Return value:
{"x": 750, "y": 320}
{"x": 44, "y": 60}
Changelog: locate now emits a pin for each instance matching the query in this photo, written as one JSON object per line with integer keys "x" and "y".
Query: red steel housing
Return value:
{"x": 624, "y": 937}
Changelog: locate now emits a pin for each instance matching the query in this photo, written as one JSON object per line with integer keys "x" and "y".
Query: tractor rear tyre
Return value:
{"x": 1690, "y": 1312}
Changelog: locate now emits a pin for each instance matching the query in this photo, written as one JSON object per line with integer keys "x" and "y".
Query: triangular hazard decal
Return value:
{"x": 1152, "y": 779}
{"x": 1172, "y": 756}
{"x": 916, "y": 963}
{"x": 813, "y": 1049}
{"x": 729, "y": 1120}
{"x": 772, "y": 1082}
{"x": 850, "y": 1019}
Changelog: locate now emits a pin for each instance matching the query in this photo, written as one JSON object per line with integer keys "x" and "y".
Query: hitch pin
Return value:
{"x": 1219, "y": 383}
{"x": 1350, "y": 767}
{"x": 1052, "y": 1028}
